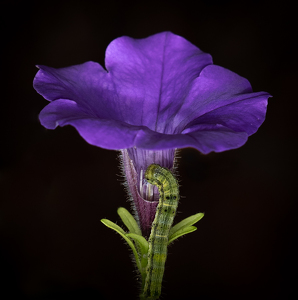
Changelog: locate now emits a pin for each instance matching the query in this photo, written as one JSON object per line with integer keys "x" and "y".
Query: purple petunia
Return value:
{"x": 156, "y": 95}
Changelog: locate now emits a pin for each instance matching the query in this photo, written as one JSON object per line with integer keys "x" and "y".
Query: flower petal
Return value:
{"x": 87, "y": 84}
{"x": 210, "y": 138}
{"x": 155, "y": 75}
{"x": 217, "y": 140}
{"x": 216, "y": 89}
{"x": 60, "y": 111}
{"x": 245, "y": 115}
{"x": 105, "y": 133}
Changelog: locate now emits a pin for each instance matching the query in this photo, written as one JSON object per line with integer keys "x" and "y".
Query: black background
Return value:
{"x": 55, "y": 187}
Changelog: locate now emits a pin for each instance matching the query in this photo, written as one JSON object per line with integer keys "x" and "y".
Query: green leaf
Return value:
{"x": 186, "y": 223}
{"x": 182, "y": 231}
{"x": 142, "y": 245}
{"x": 119, "y": 230}
{"x": 129, "y": 221}
{"x": 141, "y": 241}
{"x": 113, "y": 226}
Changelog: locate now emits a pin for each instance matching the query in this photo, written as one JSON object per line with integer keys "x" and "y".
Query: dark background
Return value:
{"x": 55, "y": 187}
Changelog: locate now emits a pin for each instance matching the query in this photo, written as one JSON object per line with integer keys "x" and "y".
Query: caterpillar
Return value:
{"x": 158, "y": 239}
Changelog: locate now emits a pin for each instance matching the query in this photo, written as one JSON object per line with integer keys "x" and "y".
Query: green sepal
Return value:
{"x": 119, "y": 230}
{"x": 113, "y": 226}
{"x": 141, "y": 242}
{"x": 142, "y": 246}
{"x": 186, "y": 223}
{"x": 182, "y": 231}
{"x": 129, "y": 221}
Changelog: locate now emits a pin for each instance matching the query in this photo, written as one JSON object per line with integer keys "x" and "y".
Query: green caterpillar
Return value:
{"x": 159, "y": 237}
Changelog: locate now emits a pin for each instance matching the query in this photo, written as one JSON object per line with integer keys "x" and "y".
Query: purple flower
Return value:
{"x": 157, "y": 94}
